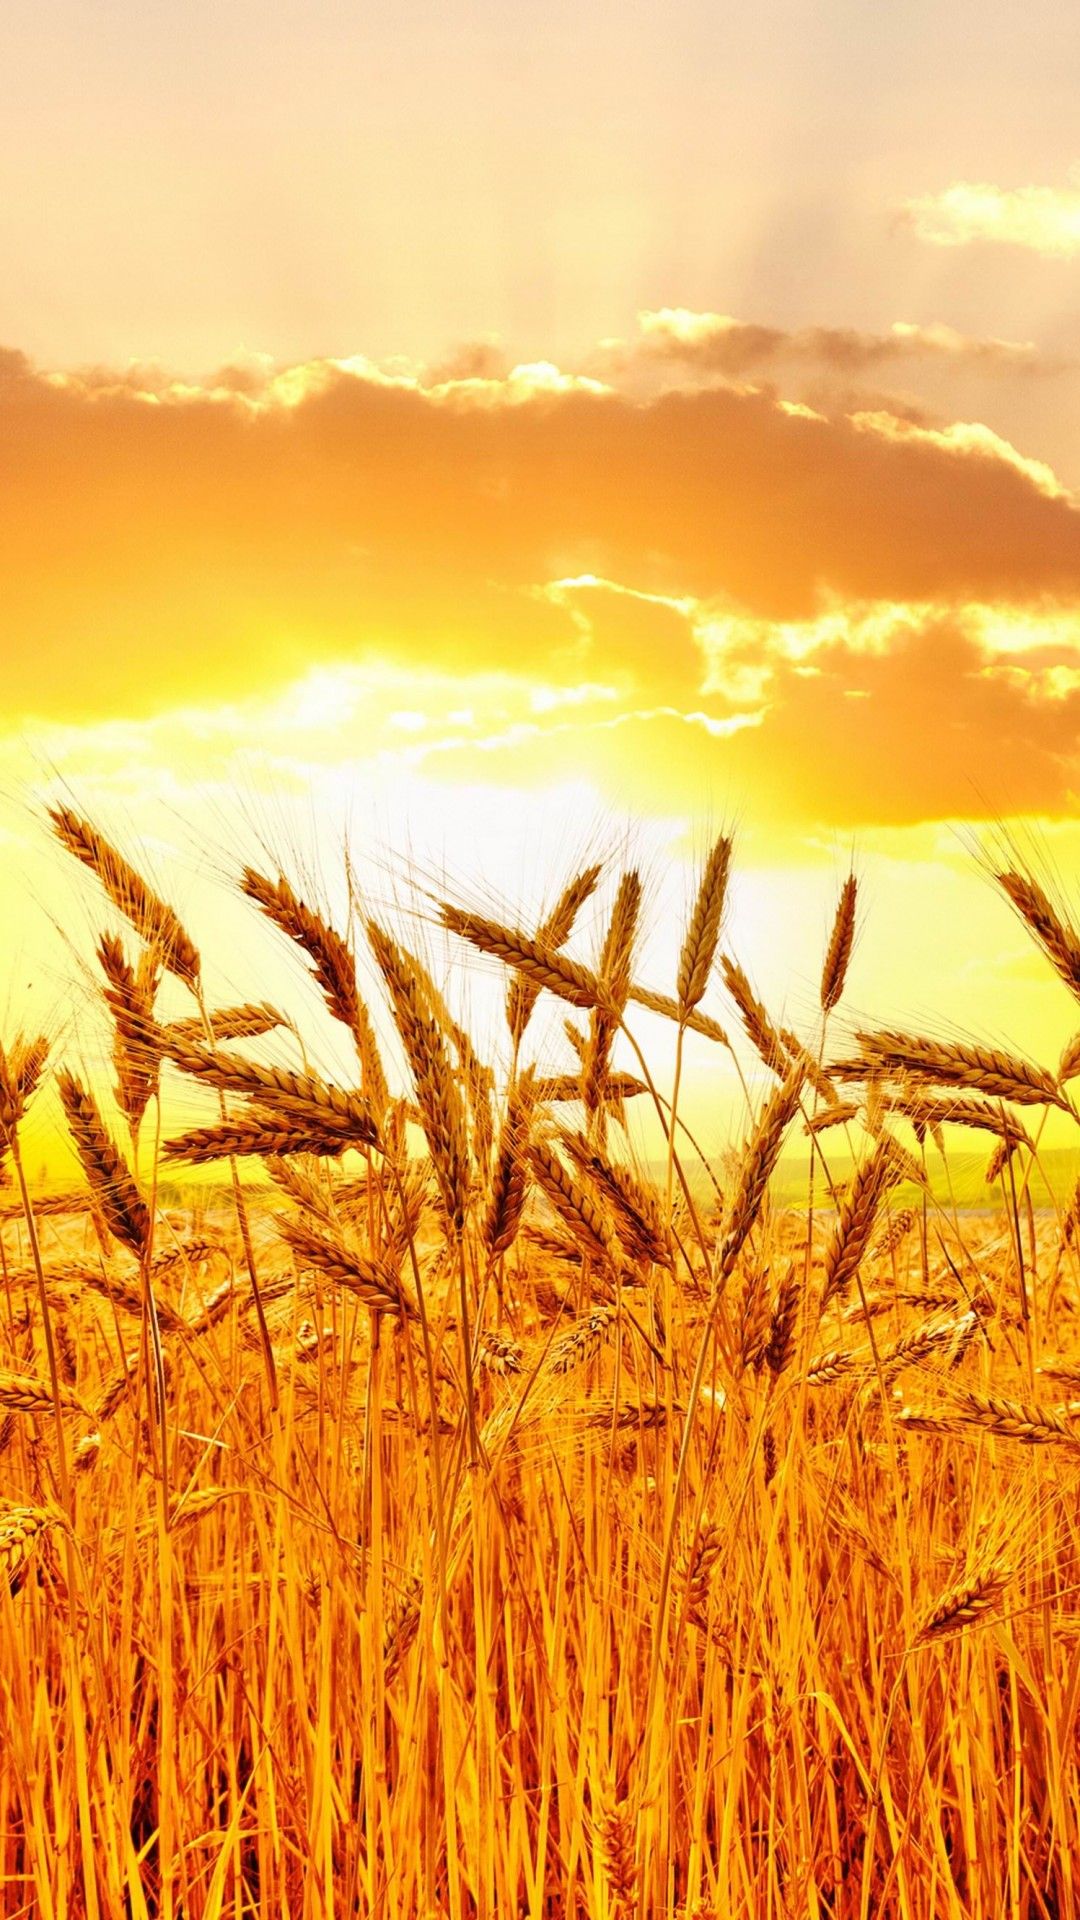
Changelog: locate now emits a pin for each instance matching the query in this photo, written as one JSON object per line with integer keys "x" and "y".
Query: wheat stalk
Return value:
{"x": 1065, "y": 1372}
{"x": 1016, "y": 1419}
{"x": 334, "y": 968}
{"x": 47, "y": 1206}
{"x": 21, "y": 1067}
{"x": 195, "y": 1505}
{"x": 1070, "y": 1060}
{"x": 401, "y": 1621}
{"x": 539, "y": 964}
{"x": 873, "y": 1305}
{"x": 635, "y": 1209}
{"x": 188, "y": 1254}
{"x": 557, "y": 1088}
{"x": 615, "y": 967}
{"x": 695, "y": 1020}
{"x": 215, "y": 1306}
{"x": 962, "y": 1110}
{"x": 824, "y": 1368}
{"x": 923, "y": 1342}
{"x": 801, "y": 1056}
{"x": 643, "y": 1412}
{"x": 695, "y": 1566}
{"x": 86, "y": 1452}
{"x": 895, "y": 1233}
{"x": 114, "y": 1390}
{"x": 127, "y": 1295}
{"x": 839, "y": 1115}
{"x": 498, "y": 1354}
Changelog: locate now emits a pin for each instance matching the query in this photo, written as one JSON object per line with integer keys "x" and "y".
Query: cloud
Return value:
{"x": 963, "y": 436}
{"x": 162, "y": 540}
{"x": 715, "y": 343}
{"x": 503, "y": 576}
{"x": 635, "y": 640}
{"x": 484, "y": 359}
{"x": 874, "y": 716}
{"x": 1044, "y": 220}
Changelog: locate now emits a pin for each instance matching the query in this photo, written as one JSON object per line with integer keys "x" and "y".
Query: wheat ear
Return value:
{"x": 756, "y": 1022}
{"x": 759, "y": 1159}
{"x": 279, "y": 1092}
{"x": 155, "y": 922}
{"x": 699, "y": 946}
{"x": 438, "y": 1095}
{"x": 990, "y": 1070}
{"x": 21, "y": 1530}
{"x": 111, "y": 1182}
{"x": 841, "y": 940}
{"x": 540, "y": 964}
{"x": 247, "y": 1022}
{"x": 372, "y": 1281}
{"x": 577, "y": 1204}
{"x": 1058, "y": 940}
{"x": 553, "y": 932}
{"x": 854, "y": 1226}
{"x": 967, "y": 1601}
{"x": 262, "y": 1135}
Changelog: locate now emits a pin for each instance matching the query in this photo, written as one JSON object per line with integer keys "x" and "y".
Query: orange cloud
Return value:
{"x": 851, "y": 619}
{"x": 882, "y": 716}
{"x": 163, "y": 543}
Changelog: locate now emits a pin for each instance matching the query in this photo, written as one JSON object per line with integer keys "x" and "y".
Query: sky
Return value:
{"x": 491, "y": 434}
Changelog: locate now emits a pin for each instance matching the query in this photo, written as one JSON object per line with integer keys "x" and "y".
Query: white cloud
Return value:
{"x": 1043, "y": 219}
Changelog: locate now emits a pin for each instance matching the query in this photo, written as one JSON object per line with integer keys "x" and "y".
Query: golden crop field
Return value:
{"x": 436, "y": 1511}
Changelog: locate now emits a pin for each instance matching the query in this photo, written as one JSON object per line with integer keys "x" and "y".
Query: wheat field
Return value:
{"x": 414, "y": 1504}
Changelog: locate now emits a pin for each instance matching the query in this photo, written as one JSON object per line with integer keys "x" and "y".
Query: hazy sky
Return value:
{"x": 475, "y": 417}
{"x": 309, "y": 179}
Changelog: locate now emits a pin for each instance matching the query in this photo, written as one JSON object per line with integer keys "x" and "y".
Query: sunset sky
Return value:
{"x": 494, "y": 433}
